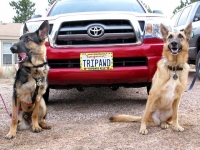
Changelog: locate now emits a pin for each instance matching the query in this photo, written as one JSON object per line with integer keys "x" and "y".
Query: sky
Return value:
{"x": 166, "y": 6}
{"x": 7, "y": 12}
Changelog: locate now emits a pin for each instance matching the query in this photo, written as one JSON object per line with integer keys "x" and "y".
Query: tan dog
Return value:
{"x": 168, "y": 84}
{"x": 30, "y": 82}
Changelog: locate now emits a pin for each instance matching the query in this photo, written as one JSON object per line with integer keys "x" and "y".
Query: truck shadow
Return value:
{"x": 103, "y": 96}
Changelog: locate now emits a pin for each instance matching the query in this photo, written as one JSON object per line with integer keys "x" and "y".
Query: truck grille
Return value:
{"x": 114, "y": 32}
{"x": 117, "y": 62}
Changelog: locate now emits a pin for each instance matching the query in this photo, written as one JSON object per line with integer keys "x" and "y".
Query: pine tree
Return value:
{"x": 183, "y": 4}
{"x": 147, "y": 7}
{"x": 50, "y": 2}
{"x": 24, "y": 10}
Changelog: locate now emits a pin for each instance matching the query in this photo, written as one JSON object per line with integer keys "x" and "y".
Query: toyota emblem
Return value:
{"x": 95, "y": 31}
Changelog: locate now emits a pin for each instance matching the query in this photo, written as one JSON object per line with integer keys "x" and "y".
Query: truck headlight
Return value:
{"x": 152, "y": 27}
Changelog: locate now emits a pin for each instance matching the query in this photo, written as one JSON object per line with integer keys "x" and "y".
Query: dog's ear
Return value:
{"x": 43, "y": 30}
{"x": 25, "y": 29}
{"x": 163, "y": 31}
{"x": 188, "y": 31}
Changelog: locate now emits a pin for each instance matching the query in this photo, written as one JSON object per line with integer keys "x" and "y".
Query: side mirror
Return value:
{"x": 36, "y": 16}
{"x": 157, "y": 11}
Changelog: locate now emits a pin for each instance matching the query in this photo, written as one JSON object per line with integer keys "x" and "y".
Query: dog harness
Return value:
{"x": 38, "y": 84}
{"x": 37, "y": 80}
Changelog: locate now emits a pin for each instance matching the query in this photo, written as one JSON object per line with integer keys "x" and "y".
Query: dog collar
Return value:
{"x": 175, "y": 68}
{"x": 37, "y": 66}
{"x": 40, "y": 65}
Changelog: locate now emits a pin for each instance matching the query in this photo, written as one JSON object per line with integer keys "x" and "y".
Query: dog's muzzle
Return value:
{"x": 13, "y": 49}
{"x": 175, "y": 47}
{"x": 22, "y": 57}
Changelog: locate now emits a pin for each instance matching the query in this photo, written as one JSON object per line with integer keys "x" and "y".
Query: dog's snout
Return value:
{"x": 174, "y": 43}
{"x": 13, "y": 48}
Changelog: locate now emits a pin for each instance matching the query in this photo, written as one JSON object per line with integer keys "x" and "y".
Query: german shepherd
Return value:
{"x": 30, "y": 81}
{"x": 168, "y": 83}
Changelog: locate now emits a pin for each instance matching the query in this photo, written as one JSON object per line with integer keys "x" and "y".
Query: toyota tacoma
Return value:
{"x": 95, "y": 43}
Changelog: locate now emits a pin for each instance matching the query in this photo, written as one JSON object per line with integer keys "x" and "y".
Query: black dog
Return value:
{"x": 31, "y": 81}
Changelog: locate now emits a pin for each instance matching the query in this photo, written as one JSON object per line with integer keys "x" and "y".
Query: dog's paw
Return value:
{"x": 10, "y": 136}
{"x": 45, "y": 125}
{"x": 36, "y": 129}
{"x": 143, "y": 131}
{"x": 178, "y": 128}
{"x": 164, "y": 125}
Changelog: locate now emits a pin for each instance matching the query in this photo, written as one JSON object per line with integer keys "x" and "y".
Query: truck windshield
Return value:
{"x": 72, "y": 6}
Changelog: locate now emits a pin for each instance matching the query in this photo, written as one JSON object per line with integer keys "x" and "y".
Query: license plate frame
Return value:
{"x": 96, "y": 61}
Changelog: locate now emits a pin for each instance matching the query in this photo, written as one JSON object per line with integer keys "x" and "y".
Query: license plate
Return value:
{"x": 96, "y": 61}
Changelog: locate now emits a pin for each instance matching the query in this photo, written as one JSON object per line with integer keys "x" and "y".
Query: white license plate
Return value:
{"x": 96, "y": 61}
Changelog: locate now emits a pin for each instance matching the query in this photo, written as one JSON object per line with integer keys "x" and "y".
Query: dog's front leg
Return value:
{"x": 175, "y": 107}
{"x": 13, "y": 126}
{"x": 147, "y": 111}
{"x": 35, "y": 124}
{"x": 42, "y": 114}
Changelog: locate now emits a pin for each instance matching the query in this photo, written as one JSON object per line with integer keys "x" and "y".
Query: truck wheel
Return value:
{"x": 46, "y": 95}
{"x": 197, "y": 63}
{"x": 148, "y": 87}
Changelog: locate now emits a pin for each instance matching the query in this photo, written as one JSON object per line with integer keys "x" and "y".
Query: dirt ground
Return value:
{"x": 80, "y": 121}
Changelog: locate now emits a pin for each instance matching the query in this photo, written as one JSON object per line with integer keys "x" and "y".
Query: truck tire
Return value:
{"x": 197, "y": 63}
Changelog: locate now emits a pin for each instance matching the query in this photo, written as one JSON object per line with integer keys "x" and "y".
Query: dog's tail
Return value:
{"x": 125, "y": 118}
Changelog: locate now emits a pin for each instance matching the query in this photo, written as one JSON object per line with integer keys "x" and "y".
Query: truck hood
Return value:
{"x": 134, "y": 17}
{"x": 98, "y": 15}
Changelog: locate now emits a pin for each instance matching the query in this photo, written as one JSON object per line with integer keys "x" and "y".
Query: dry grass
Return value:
{"x": 1, "y": 73}
{"x": 8, "y": 72}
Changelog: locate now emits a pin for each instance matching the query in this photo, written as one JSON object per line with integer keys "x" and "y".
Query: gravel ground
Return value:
{"x": 80, "y": 121}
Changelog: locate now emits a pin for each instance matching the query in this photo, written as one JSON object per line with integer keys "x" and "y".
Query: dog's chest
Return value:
{"x": 27, "y": 87}
{"x": 170, "y": 91}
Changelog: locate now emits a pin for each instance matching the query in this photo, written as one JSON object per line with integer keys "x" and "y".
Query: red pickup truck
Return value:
{"x": 95, "y": 43}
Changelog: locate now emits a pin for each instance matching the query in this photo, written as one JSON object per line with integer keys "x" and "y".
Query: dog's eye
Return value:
{"x": 180, "y": 36}
{"x": 170, "y": 37}
{"x": 27, "y": 39}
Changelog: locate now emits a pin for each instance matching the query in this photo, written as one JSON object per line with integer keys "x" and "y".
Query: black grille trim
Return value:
{"x": 115, "y": 32}
{"x": 141, "y": 23}
{"x": 117, "y": 62}
{"x": 88, "y": 22}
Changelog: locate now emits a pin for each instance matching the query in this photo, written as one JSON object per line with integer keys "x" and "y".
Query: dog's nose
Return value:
{"x": 13, "y": 48}
{"x": 174, "y": 43}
